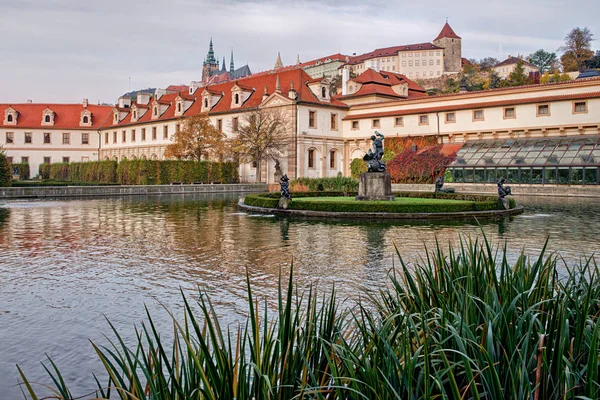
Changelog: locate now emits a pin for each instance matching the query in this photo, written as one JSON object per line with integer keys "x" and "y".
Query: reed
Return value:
{"x": 458, "y": 324}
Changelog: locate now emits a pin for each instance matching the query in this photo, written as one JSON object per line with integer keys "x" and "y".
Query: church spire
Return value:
{"x": 231, "y": 65}
{"x": 210, "y": 56}
{"x": 223, "y": 69}
{"x": 278, "y": 63}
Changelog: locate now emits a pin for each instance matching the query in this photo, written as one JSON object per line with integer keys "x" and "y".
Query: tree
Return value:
{"x": 517, "y": 76}
{"x": 487, "y": 63}
{"x": 568, "y": 62}
{"x": 197, "y": 139}
{"x": 555, "y": 77}
{"x": 594, "y": 62}
{"x": 5, "y": 170}
{"x": 578, "y": 44}
{"x": 262, "y": 136}
{"x": 543, "y": 60}
{"x": 494, "y": 80}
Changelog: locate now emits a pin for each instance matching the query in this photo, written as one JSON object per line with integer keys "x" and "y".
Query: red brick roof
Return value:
{"x": 392, "y": 51}
{"x": 447, "y": 32}
{"x": 66, "y": 116}
{"x": 381, "y": 83}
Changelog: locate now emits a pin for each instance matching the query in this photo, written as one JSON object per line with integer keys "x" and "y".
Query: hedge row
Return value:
{"x": 142, "y": 172}
{"x": 5, "y": 171}
{"x": 338, "y": 183}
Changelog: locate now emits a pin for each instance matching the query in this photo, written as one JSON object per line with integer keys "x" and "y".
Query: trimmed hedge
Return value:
{"x": 469, "y": 202}
{"x": 142, "y": 172}
{"x": 338, "y": 183}
{"x": 46, "y": 183}
{"x": 5, "y": 171}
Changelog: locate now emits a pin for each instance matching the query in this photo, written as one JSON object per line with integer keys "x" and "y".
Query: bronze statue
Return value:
{"x": 373, "y": 157}
{"x": 502, "y": 190}
{"x": 284, "y": 183}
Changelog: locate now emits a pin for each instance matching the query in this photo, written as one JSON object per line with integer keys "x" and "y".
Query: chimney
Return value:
{"x": 85, "y": 103}
{"x": 159, "y": 93}
{"x": 345, "y": 79}
{"x": 143, "y": 98}
{"x": 29, "y": 101}
{"x": 124, "y": 102}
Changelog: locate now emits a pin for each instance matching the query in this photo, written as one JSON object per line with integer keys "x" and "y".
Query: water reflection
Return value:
{"x": 65, "y": 263}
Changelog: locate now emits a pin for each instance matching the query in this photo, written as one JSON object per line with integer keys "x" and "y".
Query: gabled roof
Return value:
{"x": 380, "y": 83}
{"x": 447, "y": 32}
{"x": 66, "y": 116}
{"x": 392, "y": 51}
{"x": 177, "y": 88}
{"x": 514, "y": 60}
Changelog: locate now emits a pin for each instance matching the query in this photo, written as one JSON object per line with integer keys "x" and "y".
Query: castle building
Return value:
{"x": 451, "y": 43}
{"x": 211, "y": 72}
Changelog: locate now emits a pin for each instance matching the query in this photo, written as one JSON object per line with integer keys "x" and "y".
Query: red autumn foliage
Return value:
{"x": 421, "y": 166}
{"x": 399, "y": 144}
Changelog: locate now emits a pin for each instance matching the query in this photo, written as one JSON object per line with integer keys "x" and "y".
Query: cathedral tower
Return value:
{"x": 210, "y": 63}
{"x": 451, "y": 43}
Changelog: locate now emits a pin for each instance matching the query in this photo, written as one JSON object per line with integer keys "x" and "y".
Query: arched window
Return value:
{"x": 47, "y": 118}
{"x": 323, "y": 92}
{"x": 178, "y": 107}
{"x": 155, "y": 110}
{"x": 134, "y": 115}
{"x": 9, "y": 118}
{"x": 205, "y": 103}
{"x": 86, "y": 119}
{"x": 237, "y": 98}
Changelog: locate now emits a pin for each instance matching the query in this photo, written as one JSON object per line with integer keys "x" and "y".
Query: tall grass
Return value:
{"x": 460, "y": 324}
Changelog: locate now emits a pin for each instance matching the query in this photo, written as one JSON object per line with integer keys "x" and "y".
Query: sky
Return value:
{"x": 67, "y": 50}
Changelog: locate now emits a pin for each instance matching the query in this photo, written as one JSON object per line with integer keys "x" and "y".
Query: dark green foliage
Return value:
{"x": 5, "y": 171}
{"x": 466, "y": 323}
{"x": 338, "y": 183}
{"x": 142, "y": 172}
{"x": 44, "y": 183}
{"x": 23, "y": 170}
{"x": 357, "y": 167}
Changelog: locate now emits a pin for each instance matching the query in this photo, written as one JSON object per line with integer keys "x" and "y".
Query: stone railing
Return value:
{"x": 517, "y": 189}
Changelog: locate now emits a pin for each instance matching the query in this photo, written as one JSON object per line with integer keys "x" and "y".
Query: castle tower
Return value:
{"x": 451, "y": 43}
{"x": 278, "y": 63}
{"x": 210, "y": 64}
{"x": 231, "y": 65}
{"x": 223, "y": 69}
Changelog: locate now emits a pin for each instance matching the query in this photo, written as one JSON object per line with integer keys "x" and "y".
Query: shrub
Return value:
{"x": 418, "y": 166}
{"x": 23, "y": 170}
{"x": 339, "y": 183}
{"x": 5, "y": 171}
{"x": 357, "y": 167}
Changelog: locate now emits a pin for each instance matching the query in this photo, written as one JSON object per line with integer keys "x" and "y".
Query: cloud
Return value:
{"x": 65, "y": 50}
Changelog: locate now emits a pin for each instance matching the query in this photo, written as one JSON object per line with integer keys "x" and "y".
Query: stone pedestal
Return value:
{"x": 375, "y": 186}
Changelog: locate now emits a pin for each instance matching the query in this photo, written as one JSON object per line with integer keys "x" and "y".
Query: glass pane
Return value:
{"x": 457, "y": 175}
{"x": 563, "y": 176}
{"x": 479, "y": 175}
{"x": 512, "y": 175}
{"x": 525, "y": 175}
{"x": 536, "y": 175}
{"x": 490, "y": 175}
{"x": 468, "y": 175}
{"x": 590, "y": 176}
{"x": 500, "y": 173}
{"x": 576, "y": 176}
{"x": 549, "y": 175}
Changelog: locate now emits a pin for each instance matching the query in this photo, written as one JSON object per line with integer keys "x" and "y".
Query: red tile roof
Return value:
{"x": 392, "y": 51}
{"x": 333, "y": 57}
{"x": 514, "y": 60}
{"x": 447, "y": 32}
{"x": 67, "y": 116}
{"x": 381, "y": 83}
{"x": 178, "y": 88}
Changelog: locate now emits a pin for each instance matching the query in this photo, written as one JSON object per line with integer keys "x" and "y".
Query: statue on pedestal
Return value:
{"x": 373, "y": 157}
{"x": 286, "y": 197}
{"x": 503, "y": 191}
{"x": 439, "y": 184}
{"x": 375, "y": 184}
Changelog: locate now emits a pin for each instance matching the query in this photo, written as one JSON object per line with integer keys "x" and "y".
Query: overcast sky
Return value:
{"x": 65, "y": 50}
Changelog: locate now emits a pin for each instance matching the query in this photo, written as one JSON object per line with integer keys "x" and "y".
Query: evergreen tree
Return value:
{"x": 5, "y": 170}
{"x": 543, "y": 60}
{"x": 494, "y": 81}
{"x": 517, "y": 76}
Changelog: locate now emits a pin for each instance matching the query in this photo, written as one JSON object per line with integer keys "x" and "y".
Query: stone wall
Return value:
{"x": 94, "y": 191}
{"x": 517, "y": 189}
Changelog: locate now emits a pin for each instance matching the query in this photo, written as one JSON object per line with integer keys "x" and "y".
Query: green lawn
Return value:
{"x": 397, "y": 200}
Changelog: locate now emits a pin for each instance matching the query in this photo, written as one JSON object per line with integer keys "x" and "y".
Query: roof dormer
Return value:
{"x": 401, "y": 89}
{"x": 320, "y": 88}
{"x": 48, "y": 117}
{"x": 119, "y": 114}
{"x": 135, "y": 113}
{"x": 85, "y": 118}
{"x": 10, "y": 116}
{"x": 159, "y": 108}
{"x": 239, "y": 94}
{"x": 210, "y": 98}
{"x": 182, "y": 104}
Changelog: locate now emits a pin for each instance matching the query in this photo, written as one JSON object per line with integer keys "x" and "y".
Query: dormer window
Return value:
{"x": 47, "y": 119}
{"x": 324, "y": 92}
{"x": 155, "y": 111}
{"x": 206, "y": 103}
{"x": 178, "y": 107}
{"x": 135, "y": 115}
{"x": 9, "y": 118}
{"x": 237, "y": 98}
{"x": 86, "y": 119}
{"x": 116, "y": 117}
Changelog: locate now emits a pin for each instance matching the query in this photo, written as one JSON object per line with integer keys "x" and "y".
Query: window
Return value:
{"x": 123, "y": 136}
{"x": 410, "y": 54}
{"x": 375, "y": 123}
{"x": 416, "y": 74}
{"x": 437, "y": 53}
{"x": 106, "y": 138}
{"x": 430, "y": 62}
{"x": 220, "y": 125}
{"x": 9, "y": 118}
{"x": 155, "y": 111}
{"x": 179, "y": 106}
{"x": 355, "y": 125}
{"x": 509, "y": 112}
{"x": 423, "y": 120}
{"x": 333, "y": 122}
{"x": 133, "y": 135}
{"x": 86, "y": 119}
{"x": 393, "y": 67}
{"x": 410, "y": 74}
{"x": 234, "y": 124}
{"x": 206, "y": 103}
{"x": 430, "y": 73}
{"x": 10, "y": 137}
{"x": 153, "y": 133}
{"x": 580, "y": 107}
{"x": 324, "y": 92}
{"x": 46, "y": 160}
{"x": 28, "y": 138}
{"x": 166, "y": 132}
{"x": 254, "y": 164}
{"x": 332, "y": 159}
{"x": 438, "y": 62}
{"x": 399, "y": 121}
{"x": 311, "y": 158}
{"x": 143, "y": 134}
{"x": 25, "y": 160}
{"x": 439, "y": 73}
{"x": 237, "y": 99}
{"x": 47, "y": 119}
{"x": 424, "y": 54}
{"x": 135, "y": 115}
{"x": 403, "y": 55}
{"x": 66, "y": 138}
{"x": 66, "y": 160}
{"x": 115, "y": 137}
{"x": 47, "y": 137}
{"x": 543, "y": 110}
{"x": 477, "y": 115}
{"x": 417, "y": 63}
{"x": 85, "y": 138}
{"x": 450, "y": 117}
{"x": 312, "y": 123}
{"x": 410, "y": 63}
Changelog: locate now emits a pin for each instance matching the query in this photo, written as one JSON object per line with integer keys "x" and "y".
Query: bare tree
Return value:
{"x": 196, "y": 139}
{"x": 262, "y": 136}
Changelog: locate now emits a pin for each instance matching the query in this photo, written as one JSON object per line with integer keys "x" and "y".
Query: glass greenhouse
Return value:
{"x": 568, "y": 160}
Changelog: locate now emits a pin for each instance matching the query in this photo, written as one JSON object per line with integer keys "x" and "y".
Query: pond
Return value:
{"x": 65, "y": 264}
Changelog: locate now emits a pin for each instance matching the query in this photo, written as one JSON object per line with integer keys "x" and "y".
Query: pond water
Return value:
{"x": 66, "y": 263}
